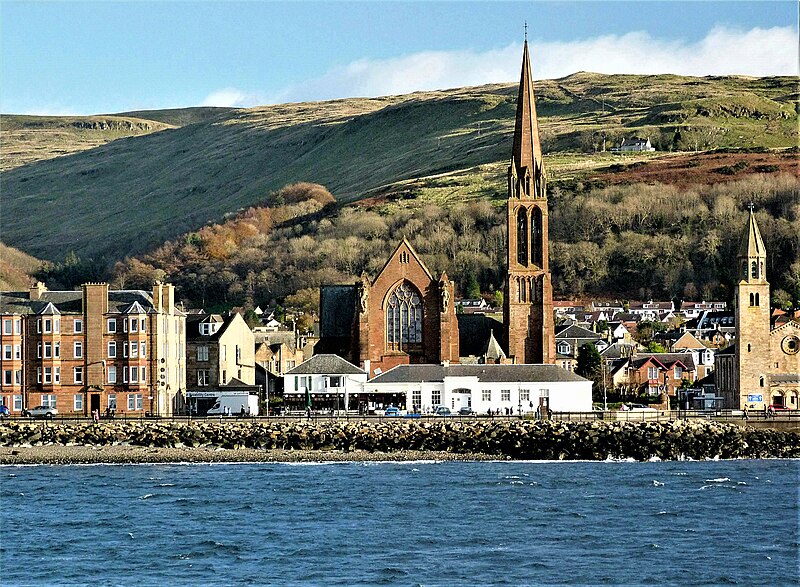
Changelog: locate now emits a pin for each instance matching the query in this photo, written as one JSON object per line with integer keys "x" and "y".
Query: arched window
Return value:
{"x": 753, "y": 270}
{"x": 757, "y": 300}
{"x": 403, "y": 318}
{"x": 522, "y": 236}
{"x": 524, "y": 289}
{"x": 536, "y": 237}
{"x": 761, "y": 381}
{"x": 519, "y": 289}
{"x": 752, "y": 300}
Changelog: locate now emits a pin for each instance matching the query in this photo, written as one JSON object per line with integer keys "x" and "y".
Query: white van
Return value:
{"x": 234, "y": 405}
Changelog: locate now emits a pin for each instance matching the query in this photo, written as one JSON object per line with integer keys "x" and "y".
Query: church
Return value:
{"x": 405, "y": 315}
{"x": 763, "y": 367}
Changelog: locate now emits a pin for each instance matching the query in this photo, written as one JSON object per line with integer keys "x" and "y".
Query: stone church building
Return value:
{"x": 406, "y": 315}
{"x": 763, "y": 367}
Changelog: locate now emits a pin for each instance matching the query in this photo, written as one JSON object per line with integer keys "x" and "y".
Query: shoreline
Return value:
{"x": 129, "y": 455}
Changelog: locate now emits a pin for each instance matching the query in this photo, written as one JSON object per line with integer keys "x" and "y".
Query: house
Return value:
{"x": 691, "y": 310}
{"x": 653, "y": 373}
{"x": 634, "y": 144}
{"x": 483, "y": 388}
{"x": 473, "y": 306}
{"x": 324, "y": 382}
{"x": 218, "y": 349}
{"x": 569, "y": 340}
{"x": 93, "y": 349}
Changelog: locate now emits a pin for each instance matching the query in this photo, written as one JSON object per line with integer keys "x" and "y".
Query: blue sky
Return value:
{"x": 93, "y": 57}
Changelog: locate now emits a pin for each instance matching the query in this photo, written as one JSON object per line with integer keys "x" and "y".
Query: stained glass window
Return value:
{"x": 403, "y": 318}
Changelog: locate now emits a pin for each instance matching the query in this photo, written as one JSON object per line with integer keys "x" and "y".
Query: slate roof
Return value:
{"x": 326, "y": 365}
{"x": 484, "y": 373}
{"x": 666, "y": 359}
{"x": 575, "y": 332}
{"x": 71, "y": 302}
{"x": 618, "y": 350}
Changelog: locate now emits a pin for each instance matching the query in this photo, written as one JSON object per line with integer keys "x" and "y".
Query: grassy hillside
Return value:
{"x": 131, "y": 194}
{"x": 27, "y": 139}
{"x": 180, "y": 116}
{"x": 16, "y": 268}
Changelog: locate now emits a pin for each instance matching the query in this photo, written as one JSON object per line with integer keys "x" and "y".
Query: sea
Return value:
{"x": 411, "y": 523}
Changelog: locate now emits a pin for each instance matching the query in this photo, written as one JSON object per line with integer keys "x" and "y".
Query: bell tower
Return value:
{"x": 528, "y": 303}
{"x": 752, "y": 318}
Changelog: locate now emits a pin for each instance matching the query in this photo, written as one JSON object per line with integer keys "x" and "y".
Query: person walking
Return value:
{"x": 744, "y": 413}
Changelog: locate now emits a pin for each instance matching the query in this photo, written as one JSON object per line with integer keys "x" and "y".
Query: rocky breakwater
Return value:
{"x": 507, "y": 439}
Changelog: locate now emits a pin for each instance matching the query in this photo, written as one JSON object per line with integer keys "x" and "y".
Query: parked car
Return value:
{"x": 41, "y": 412}
{"x": 392, "y": 411}
{"x": 442, "y": 411}
{"x": 780, "y": 408}
{"x": 640, "y": 408}
{"x": 4, "y": 413}
{"x": 465, "y": 411}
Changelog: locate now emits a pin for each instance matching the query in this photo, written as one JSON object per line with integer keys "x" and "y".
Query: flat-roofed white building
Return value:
{"x": 514, "y": 388}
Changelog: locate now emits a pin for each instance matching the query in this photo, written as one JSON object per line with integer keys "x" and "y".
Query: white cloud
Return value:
{"x": 723, "y": 51}
{"x": 231, "y": 97}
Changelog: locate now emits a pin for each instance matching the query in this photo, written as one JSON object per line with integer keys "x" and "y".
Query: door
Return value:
{"x": 95, "y": 402}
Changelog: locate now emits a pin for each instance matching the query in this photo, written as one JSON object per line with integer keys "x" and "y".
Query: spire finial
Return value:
{"x": 526, "y": 31}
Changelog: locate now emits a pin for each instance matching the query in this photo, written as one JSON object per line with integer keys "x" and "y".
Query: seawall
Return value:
{"x": 536, "y": 440}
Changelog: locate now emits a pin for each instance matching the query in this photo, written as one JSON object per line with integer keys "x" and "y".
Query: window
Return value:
{"x": 18, "y": 377}
{"x": 436, "y": 397}
{"x": 6, "y": 326}
{"x": 17, "y": 403}
{"x": 38, "y": 325}
{"x": 112, "y": 325}
{"x": 522, "y": 237}
{"x": 335, "y": 381}
{"x": 48, "y": 375}
{"x": 416, "y": 398}
{"x": 48, "y": 325}
{"x": 134, "y": 374}
{"x": 652, "y": 372}
{"x": 678, "y": 372}
{"x": 78, "y": 350}
{"x": 48, "y": 350}
{"x": 112, "y": 401}
{"x": 134, "y": 401}
{"x": 77, "y": 402}
{"x": 524, "y": 395}
{"x": 7, "y": 377}
{"x": 486, "y": 395}
{"x": 17, "y": 326}
{"x": 57, "y": 375}
{"x": 202, "y": 377}
{"x": 564, "y": 348}
{"x": 17, "y": 351}
{"x": 78, "y": 326}
{"x": 202, "y": 353}
{"x": 57, "y": 325}
{"x": 124, "y": 375}
{"x": 112, "y": 374}
{"x": 134, "y": 350}
{"x": 125, "y": 349}
{"x": 238, "y": 354}
{"x": 403, "y": 318}
{"x": 77, "y": 374}
{"x": 753, "y": 270}
{"x": 142, "y": 349}
{"x": 134, "y": 324}
{"x": 49, "y": 400}
{"x": 141, "y": 325}
{"x": 505, "y": 395}
{"x": 142, "y": 374}
{"x": 112, "y": 349}
{"x": 38, "y": 350}
{"x": 224, "y": 376}
{"x": 290, "y": 365}
{"x": 7, "y": 352}
{"x": 57, "y": 350}
{"x": 38, "y": 374}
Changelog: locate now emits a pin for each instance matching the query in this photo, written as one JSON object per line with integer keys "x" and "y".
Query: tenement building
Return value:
{"x": 93, "y": 349}
{"x": 763, "y": 368}
{"x": 406, "y": 315}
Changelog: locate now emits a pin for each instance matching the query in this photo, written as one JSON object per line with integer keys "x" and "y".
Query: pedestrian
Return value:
{"x": 771, "y": 412}
{"x": 96, "y": 416}
{"x": 744, "y": 413}
{"x": 766, "y": 412}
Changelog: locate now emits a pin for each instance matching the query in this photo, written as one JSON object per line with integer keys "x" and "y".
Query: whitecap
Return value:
{"x": 146, "y": 496}
{"x": 718, "y": 480}
{"x": 657, "y": 483}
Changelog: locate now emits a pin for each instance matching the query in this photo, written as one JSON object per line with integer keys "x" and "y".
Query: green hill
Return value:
{"x": 131, "y": 194}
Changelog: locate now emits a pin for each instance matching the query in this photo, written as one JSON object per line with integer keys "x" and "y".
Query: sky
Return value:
{"x": 60, "y": 58}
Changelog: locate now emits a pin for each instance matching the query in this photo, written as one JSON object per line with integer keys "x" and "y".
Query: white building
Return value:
{"x": 323, "y": 382}
{"x": 520, "y": 388}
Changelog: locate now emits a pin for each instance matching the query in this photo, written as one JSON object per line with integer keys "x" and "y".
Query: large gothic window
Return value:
{"x": 404, "y": 319}
{"x": 536, "y": 237}
{"x": 522, "y": 237}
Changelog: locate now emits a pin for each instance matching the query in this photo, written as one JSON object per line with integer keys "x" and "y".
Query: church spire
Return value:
{"x": 526, "y": 166}
{"x": 752, "y": 245}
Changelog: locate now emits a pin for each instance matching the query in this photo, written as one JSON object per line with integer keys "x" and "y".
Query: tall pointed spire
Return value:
{"x": 752, "y": 246}
{"x": 527, "y": 149}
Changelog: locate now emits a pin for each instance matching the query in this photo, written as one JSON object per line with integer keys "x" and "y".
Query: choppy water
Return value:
{"x": 687, "y": 523}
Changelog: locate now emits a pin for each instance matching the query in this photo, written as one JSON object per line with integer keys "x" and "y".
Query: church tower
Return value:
{"x": 752, "y": 363}
{"x": 528, "y": 303}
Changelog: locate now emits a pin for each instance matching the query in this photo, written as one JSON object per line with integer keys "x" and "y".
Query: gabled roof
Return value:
{"x": 134, "y": 308}
{"x": 326, "y": 365}
{"x": 576, "y": 332}
{"x": 405, "y": 244}
{"x": 665, "y": 360}
{"x": 49, "y": 308}
{"x": 493, "y": 348}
